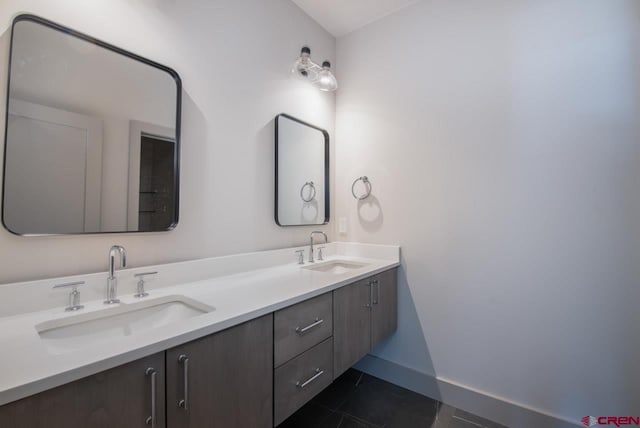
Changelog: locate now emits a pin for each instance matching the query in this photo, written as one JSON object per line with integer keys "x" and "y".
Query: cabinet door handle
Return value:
{"x": 151, "y": 420}
{"x": 376, "y": 283}
{"x": 184, "y": 360}
{"x": 369, "y": 305}
{"x": 311, "y": 379}
{"x": 303, "y": 330}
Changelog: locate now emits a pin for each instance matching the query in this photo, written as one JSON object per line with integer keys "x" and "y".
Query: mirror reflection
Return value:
{"x": 302, "y": 173}
{"x": 92, "y": 136}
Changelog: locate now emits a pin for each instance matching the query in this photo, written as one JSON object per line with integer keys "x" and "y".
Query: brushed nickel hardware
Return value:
{"x": 141, "y": 292}
{"x": 311, "y": 260}
{"x": 151, "y": 420}
{"x": 74, "y": 296}
{"x": 320, "y": 258}
{"x": 367, "y": 183}
{"x": 369, "y": 284}
{"x": 184, "y": 360}
{"x": 303, "y": 330}
{"x": 312, "y": 191}
{"x": 317, "y": 374}
{"x": 112, "y": 281}
{"x": 300, "y": 254}
{"x": 376, "y": 283}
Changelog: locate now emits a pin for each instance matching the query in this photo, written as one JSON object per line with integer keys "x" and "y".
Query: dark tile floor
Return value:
{"x": 357, "y": 400}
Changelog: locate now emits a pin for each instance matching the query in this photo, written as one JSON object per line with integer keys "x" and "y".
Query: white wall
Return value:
{"x": 234, "y": 59}
{"x": 503, "y": 144}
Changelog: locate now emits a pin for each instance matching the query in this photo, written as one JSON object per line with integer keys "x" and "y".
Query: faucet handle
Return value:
{"x": 141, "y": 275}
{"x": 320, "y": 253}
{"x": 300, "y": 254}
{"x": 74, "y": 296}
{"x": 69, "y": 284}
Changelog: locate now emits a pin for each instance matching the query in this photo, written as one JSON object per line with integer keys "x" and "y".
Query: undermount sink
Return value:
{"x": 84, "y": 330}
{"x": 336, "y": 267}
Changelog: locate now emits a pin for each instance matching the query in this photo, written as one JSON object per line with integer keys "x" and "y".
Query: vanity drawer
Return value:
{"x": 299, "y": 327}
{"x": 299, "y": 380}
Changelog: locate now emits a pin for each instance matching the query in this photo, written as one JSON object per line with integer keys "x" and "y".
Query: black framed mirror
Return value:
{"x": 302, "y": 173}
{"x": 92, "y": 137}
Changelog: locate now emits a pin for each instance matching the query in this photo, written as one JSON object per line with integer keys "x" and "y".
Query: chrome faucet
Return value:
{"x": 311, "y": 260}
{"x": 112, "y": 281}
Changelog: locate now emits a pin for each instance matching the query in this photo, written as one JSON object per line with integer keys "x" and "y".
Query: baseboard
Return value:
{"x": 497, "y": 409}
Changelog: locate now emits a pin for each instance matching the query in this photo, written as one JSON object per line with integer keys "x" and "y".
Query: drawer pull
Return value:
{"x": 151, "y": 420}
{"x": 311, "y": 379}
{"x": 184, "y": 360}
{"x": 303, "y": 330}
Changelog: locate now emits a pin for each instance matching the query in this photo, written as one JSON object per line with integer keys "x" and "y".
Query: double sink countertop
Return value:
{"x": 187, "y": 300}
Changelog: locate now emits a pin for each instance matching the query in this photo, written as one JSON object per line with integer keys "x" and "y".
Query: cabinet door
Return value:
{"x": 119, "y": 397}
{"x": 384, "y": 310}
{"x": 351, "y": 325}
{"x": 223, "y": 380}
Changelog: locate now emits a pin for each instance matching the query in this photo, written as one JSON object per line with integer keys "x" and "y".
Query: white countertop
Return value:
{"x": 27, "y": 366}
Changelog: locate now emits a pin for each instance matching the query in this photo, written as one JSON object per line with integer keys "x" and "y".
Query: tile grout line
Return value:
{"x": 443, "y": 417}
{"x": 468, "y": 421}
{"x": 366, "y": 422}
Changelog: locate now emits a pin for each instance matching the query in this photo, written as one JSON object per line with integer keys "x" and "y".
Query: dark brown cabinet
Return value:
{"x": 351, "y": 325}
{"x": 303, "y": 354}
{"x": 223, "y": 380}
{"x": 119, "y": 397}
{"x": 364, "y": 314}
{"x": 301, "y": 326}
{"x": 384, "y": 309}
{"x": 302, "y": 378}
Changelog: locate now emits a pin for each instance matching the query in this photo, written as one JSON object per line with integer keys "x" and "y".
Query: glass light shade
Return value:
{"x": 326, "y": 81}
{"x": 305, "y": 69}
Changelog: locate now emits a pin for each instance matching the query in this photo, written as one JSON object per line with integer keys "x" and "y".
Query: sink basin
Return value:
{"x": 84, "y": 330}
{"x": 336, "y": 267}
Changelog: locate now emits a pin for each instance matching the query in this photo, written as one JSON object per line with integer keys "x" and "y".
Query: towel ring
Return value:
{"x": 366, "y": 182}
{"x": 312, "y": 191}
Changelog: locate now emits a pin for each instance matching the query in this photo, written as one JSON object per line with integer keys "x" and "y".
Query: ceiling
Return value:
{"x": 340, "y": 17}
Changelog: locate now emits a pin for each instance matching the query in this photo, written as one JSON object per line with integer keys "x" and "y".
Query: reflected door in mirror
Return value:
{"x": 74, "y": 105}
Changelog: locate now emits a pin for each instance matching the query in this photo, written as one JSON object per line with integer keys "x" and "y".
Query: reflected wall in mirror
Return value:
{"x": 302, "y": 173}
{"x": 92, "y": 136}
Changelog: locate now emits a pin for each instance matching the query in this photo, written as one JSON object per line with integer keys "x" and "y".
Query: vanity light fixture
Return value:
{"x": 304, "y": 68}
{"x": 320, "y": 76}
{"x": 326, "y": 80}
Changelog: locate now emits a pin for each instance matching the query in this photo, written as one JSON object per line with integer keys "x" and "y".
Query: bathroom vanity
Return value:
{"x": 236, "y": 341}
{"x": 267, "y": 338}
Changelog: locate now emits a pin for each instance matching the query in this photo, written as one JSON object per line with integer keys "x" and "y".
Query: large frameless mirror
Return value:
{"x": 92, "y": 136}
{"x": 302, "y": 173}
